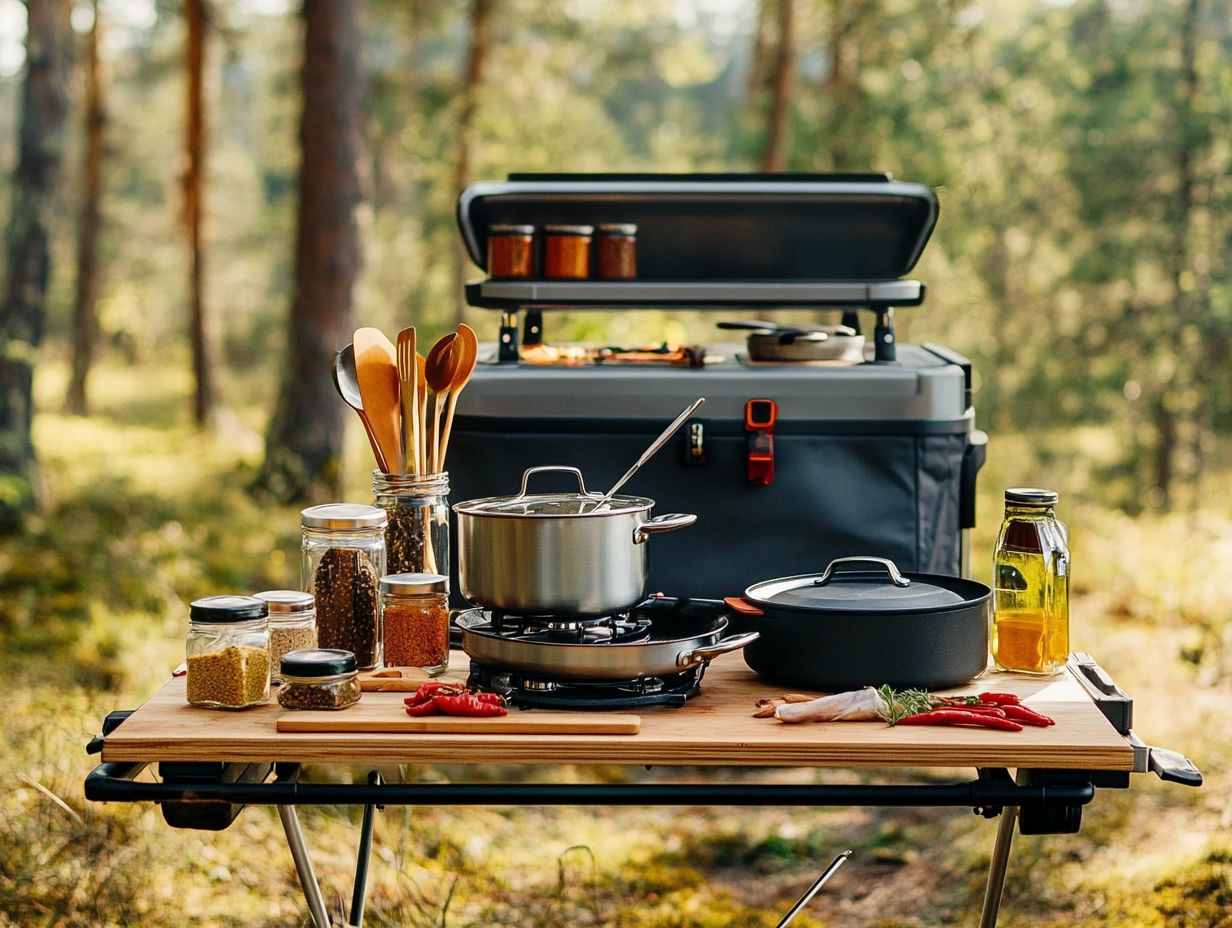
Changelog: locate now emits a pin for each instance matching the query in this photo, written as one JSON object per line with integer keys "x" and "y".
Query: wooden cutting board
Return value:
{"x": 373, "y": 716}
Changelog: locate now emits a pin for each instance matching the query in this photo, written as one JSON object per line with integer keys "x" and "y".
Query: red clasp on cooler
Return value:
{"x": 759, "y": 419}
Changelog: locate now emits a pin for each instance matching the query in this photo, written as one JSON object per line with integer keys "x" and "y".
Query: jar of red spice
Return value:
{"x": 566, "y": 251}
{"x": 617, "y": 248}
{"x": 415, "y": 612}
{"x": 511, "y": 251}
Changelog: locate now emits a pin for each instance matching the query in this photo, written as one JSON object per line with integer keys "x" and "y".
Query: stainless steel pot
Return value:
{"x": 557, "y": 553}
{"x": 675, "y": 645}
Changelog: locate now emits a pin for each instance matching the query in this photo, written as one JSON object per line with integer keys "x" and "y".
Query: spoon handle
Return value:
{"x": 653, "y": 449}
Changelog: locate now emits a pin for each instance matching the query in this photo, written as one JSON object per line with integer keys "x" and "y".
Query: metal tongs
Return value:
{"x": 814, "y": 889}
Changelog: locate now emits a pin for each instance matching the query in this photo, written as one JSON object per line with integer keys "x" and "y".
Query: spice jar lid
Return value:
{"x": 283, "y": 601}
{"x": 218, "y": 610}
{"x": 569, "y": 230}
{"x": 414, "y": 583}
{"x": 343, "y": 516}
{"x": 617, "y": 228}
{"x": 318, "y": 662}
{"x": 505, "y": 228}
{"x": 1031, "y": 496}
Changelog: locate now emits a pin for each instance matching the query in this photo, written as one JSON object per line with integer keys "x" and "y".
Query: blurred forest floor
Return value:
{"x": 148, "y": 513}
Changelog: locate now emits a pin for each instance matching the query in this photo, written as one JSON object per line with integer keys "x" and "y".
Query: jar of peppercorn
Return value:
{"x": 415, "y": 616}
{"x": 342, "y": 559}
{"x": 417, "y": 531}
{"x": 227, "y": 652}
{"x": 318, "y": 679}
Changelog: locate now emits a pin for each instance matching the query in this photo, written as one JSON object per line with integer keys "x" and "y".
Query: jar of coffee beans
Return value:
{"x": 227, "y": 652}
{"x": 343, "y": 557}
{"x": 293, "y": 624}
{"x": 318, "y": 679}
{"x": 417, "y": 534}
{"x": 415, "y": 620}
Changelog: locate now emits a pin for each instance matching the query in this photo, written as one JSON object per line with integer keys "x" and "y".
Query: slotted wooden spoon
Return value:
{"x": 438, "y": 372}
{"x": 376, "y": 369}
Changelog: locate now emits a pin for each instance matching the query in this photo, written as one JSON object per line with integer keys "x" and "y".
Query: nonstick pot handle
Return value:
{"x": 667, "y": 523}
{"x": 697, "y": 655}
{"x": 890, "y": 568}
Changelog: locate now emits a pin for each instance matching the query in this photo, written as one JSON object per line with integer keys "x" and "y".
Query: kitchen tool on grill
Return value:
{"x": 814, "y": 889}
{"x": 769, "y": 341}
{"x": 376, "y": 370}
{"x": 346, "y": 382}
{"x": 663, "y": 646}
{"x": 652, "y": 450}
{"x": 438, "y": 372}
{"x": 408, "y": 385}
{"x": 466, "y": 347}
{"x": 551, "y": 554}
{"x": 863, "y": 623}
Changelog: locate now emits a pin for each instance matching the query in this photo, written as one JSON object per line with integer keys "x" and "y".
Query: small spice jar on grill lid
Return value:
{"x": 415, "y": 616}
{"x": 292, "y": 623}
{"x": 617, "y": 251}
{"x": 566, "y": 251}
{"x": 319, "y": 678}
{"x": 511, "y": 251}
{"x": 227, "y": 651}
{"x": 342, "y": 559}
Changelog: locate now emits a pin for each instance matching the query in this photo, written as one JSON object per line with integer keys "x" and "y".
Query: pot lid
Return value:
{"x": 553, "y": 505}
{"x": 857, "y": 584}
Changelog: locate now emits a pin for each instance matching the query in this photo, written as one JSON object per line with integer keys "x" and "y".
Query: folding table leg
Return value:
{"x": 303, "y": 866}
{"x": 997, "y": 867}
{"x": 360, "y": 892}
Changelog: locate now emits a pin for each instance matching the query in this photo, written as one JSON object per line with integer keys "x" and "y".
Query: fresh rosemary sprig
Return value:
{"x": 902, "y": 703}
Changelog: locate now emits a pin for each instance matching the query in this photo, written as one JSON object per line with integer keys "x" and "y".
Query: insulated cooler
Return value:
{"x": 876, "y": 458}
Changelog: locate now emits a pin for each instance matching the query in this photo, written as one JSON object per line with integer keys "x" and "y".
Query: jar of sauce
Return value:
{"x": 1031, "y": 585}
{"x": 511, "y": 251}
{"x": 617, "y": 247}
{"x": 566, "y": 251}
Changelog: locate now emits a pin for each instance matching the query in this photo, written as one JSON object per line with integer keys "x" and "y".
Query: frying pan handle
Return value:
{"x": 697, "y": 655}
{"x": 890, "y": 568}
{"x": 555, "y": 468}
{"x": 743, "y": 606}
{"x": 667, "y": 523}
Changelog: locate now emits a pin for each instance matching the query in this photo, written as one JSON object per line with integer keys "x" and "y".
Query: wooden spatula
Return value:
{"x": 376, "y": 368}
{"x": 408, "y": 387}
{"x": 466, "y": 351}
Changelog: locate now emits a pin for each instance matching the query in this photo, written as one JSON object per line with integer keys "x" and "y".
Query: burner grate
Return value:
{"x": 612, "y": 629}
{"x": 531, "y": 692}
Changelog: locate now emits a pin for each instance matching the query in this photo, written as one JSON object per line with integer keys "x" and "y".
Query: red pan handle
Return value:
{"x": 743, "y": 606}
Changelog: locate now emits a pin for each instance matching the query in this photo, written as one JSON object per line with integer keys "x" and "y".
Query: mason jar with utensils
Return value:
{"x": 417, "y": 530}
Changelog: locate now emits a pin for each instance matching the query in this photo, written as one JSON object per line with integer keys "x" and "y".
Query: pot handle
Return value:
{"x": 556, "y": 468}
{"x": 698, "y": 655}
{"x": 667, "y": 523}
{"x": 890, "y": 568}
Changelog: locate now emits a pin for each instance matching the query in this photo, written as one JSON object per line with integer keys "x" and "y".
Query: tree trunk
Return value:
{"x": 472, "y": 84}
{"x": 782, "y": 81}
{"x": 85, "y": 313}
{"x": 756, "y": 82}
{"x": 36, "y": 181}
{"x": 303, "y": 445}
{"x": 196, "y": 20}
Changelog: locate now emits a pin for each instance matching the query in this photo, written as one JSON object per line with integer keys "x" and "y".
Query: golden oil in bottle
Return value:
{"x": 1031, "y": 585}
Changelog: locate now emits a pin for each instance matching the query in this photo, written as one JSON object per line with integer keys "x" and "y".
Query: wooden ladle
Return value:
{"x": 438, "y": 372}
{"x": 466, "y": 350}
{"x": 376, "y": 369}
{"x": 346, "y": 383}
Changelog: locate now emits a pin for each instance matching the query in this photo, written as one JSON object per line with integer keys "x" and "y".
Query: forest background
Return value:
{"x": 154, "y": 317}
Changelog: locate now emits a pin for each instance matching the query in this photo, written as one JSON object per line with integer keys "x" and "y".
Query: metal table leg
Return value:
{"x": 303, "y": 866}
{"x": 360, "y": 892}
{"x": 997, "y": 867}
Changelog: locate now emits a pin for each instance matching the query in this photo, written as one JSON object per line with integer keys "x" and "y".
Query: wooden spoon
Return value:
{"x": 466, "y": 349}
{"x": 347, "y": 384}
{"x": 376, "y": 369}
{"x": 439, "y": 375}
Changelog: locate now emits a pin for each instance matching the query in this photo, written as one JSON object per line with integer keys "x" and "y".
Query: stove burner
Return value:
{"x": 607, "y": 629}
{"x": 529, "y": 692}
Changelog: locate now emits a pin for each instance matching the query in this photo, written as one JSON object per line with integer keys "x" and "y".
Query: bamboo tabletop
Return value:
{"x": 714, "y": 728}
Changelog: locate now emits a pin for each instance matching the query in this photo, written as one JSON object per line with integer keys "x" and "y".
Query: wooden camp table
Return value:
{"x": 211, "y": 762}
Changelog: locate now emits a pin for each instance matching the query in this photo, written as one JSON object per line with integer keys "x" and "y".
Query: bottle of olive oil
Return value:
{"x": 1031, "y": 585}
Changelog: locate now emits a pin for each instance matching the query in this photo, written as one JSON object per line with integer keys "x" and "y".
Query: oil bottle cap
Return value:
{"x": 1031, "y": 496}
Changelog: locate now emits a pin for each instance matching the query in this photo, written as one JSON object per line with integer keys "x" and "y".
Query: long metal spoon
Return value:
{"x": 651, "y": 451}
{"x": 346, "y": 382}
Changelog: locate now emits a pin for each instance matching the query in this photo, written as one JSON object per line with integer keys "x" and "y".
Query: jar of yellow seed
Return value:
{"x": 228, "y": 652}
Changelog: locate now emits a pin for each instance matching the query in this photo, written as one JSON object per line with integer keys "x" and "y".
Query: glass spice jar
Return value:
{"x": 511, "y": 251}
{"x": 417, "y": 534}
{"x": 617, "y": 251}
{"x": 342, "y": 557}
{"x": 292, "y": 624}
{"x": 566, "y": 251}
{"x": 415, "y": 616}
{"x": 1030, "y": 632}
{"x": 227, "y": 652}
{"x": 319, "y": 678}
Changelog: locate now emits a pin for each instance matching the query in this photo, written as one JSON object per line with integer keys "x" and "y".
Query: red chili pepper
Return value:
{"x": 469, "y": 705}
{"x": 435, "y": 687}
{"x": 1028, "y": 716}
{"x": 998, "y": 711}
{"x": 960, "y": 717}
{"x": 999, "y": 699}
{"x": 427, "y": 707}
